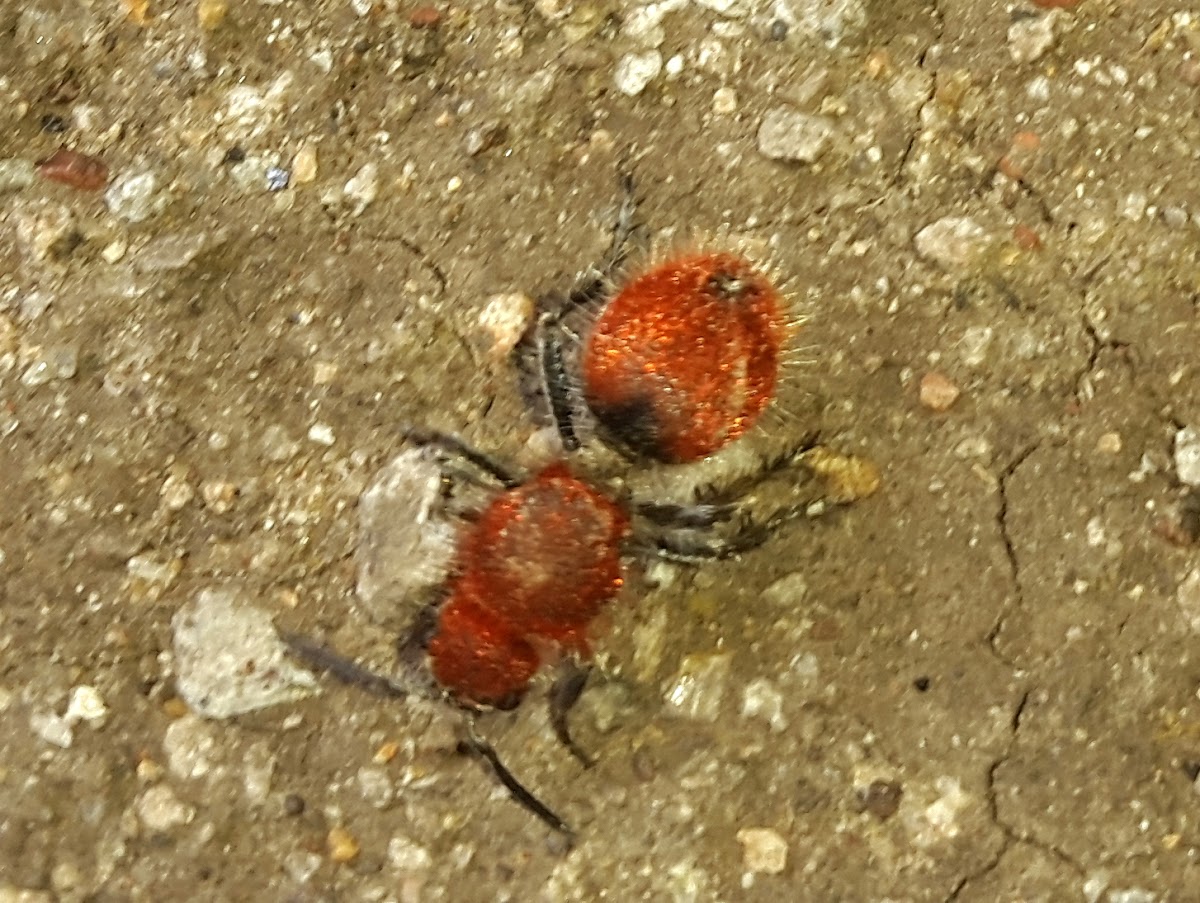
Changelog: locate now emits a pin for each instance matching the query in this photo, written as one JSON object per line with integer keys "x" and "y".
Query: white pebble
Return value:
{"x": 699, "y": 686}
{"x": 363, "y": 188}
{"x": 161, "y": 810}
{"x": 322, "y": 434}
{"x": 636, "y": 70}
{"x": 952, "y": 242}
{"x": 229, "y": 660}
{"x": 85, "y": 704}
{"x": 763, "y": 850}
{"x": 1187, "y": 456}
{"x": 787, "y": 134}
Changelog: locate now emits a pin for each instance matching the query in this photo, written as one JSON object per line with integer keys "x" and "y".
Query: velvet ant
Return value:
{"x": 678, "y": 363}
{"x": 671, "y": 365}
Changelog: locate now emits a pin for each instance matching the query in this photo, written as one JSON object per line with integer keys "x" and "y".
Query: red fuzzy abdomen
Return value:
{"x": 684, "y": 358}
{"x": 536, "y": 568}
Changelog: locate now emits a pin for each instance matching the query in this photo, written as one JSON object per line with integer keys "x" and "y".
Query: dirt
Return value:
{"x": 979, "y": 684}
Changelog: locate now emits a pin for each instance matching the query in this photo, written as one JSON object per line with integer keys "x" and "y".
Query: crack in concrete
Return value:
{"x": 1010, "y": 550}
{"x": 906, "y": 154}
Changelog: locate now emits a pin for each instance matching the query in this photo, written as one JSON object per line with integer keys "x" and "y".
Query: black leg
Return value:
{"x": 346, "y": 670}
{"x": 565, "y": 692}
{"x": 476, "y": 745}
{"x": 456, "y": 447}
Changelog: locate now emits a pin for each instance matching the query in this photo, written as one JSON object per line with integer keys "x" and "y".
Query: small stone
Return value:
{"x": 324, "y": 373}
{"x": 881, "y": 798}
{"x": 322, "y": 434}
{"x": 1030, "y": 38}
{"x": 211, "y": 13}
{"x": 52, "y": 728}
{"x": 789, "y": 590}
{"x": 218, "y": 495}
{"x": 405, "y": 855}
{"x": 259, "y": 763}
{"x": 173, "y": 251}
{"x": 136, "y": 197}
{"x": 342, "y": 845}
{"x": 304, "y": 165}
{"x": 16, "y": 174}
{"x": 937, "y": 392}
{"x": 54, "y": 363}
{"x": 277, "y": 446}
{"x": 189, "y": 744}
{"x": 406, "y": 542}
{"x": 1109, "y": 444}
{"x": 634, "y": 71}
{"x": 176, "y": 492}
{"x": 376, "y": 786}
{"x": 699, "y": 686}
{"x": 725, "y": 101}
{"x": 1187, "y": 456}
{"x": 829, "y": 21}
{"x": 363, "y": 188}
{"x": 762, "y": 699}
{"x": 764, "y": 851}
{"x": 160, "y": 809}
{"x": 277, "y": 178}
{"x": 229, "y": 660}
{"x": 151, "y": 569}
{"x": 46, "y": 230}
{"x": 86, "y": 704}
{"x": 787, "y": 134}
{"x": 953, "y": 242}
{"x": 505, "y": 318}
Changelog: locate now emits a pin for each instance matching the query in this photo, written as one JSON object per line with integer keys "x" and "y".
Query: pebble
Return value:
{"x": 277, "y": 178}
{"x": 343, "y": 846}
{"x": 362, "y": 188}
{"x": 211, "y": 13}
{"x": 322, "y": 434}
{"x": 1030, "y": 38}
{"x": 881, "y": 798}
{"x": 788, "y": 590}
{"x": 952, "y": 242}
{"x": 829, "y": 21}
{"x": 136, "y": 197}
{"x": 86, "y": 704}
{"x": 52, "y": 728}
{"x": 304, "y": 165}
{"x": 937, "y": 392}
{"x": 787, "y": 134}
{"x": 169, "y": 252}
{"x": 725, "y": 101}
{"x": 376, "y": 786}
{"x": 634, "y": 71}
{"x": 54, "y": 363}
{"x": 764, "y": 851}
{"x": 228, "y": 659}
{"x": 504, "y": 318}
{"x": 219, "y": 495}
{"x": 259, "y": 763}
{"x": 189, "y": 743}
{"x": 699, "y": 686}
{"x": 16, "y": 174}
{"x": 1187, "y": 456}
{"x": 762, "y": 699}
{"x": 176, "y": 492}
{"x": 45, "y": 229}
{"x": 1187, "y": 596}
{"x": 405, "y": 541}
{"x": 406, "y": 855}
{"x": 161, "y": 810}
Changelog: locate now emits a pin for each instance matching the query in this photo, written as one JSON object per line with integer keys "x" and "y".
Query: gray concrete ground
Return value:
{"x": 979, "y": 685}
